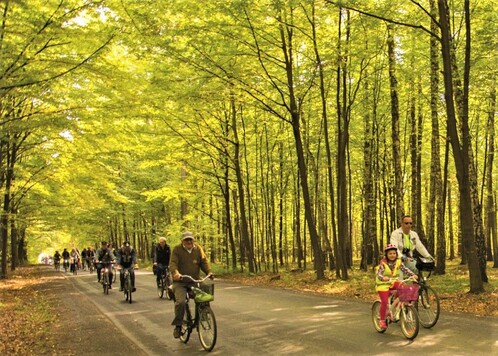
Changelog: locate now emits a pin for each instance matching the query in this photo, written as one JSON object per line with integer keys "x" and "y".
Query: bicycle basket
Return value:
{"x": 425, "y": 264}
{"x": 408, "y": 292}
{"x": 205, "y": 293}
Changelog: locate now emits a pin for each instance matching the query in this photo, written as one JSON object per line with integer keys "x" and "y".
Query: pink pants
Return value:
{"x": 384, "y": 299}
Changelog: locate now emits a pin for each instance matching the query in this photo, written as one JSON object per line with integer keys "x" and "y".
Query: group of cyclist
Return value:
{"x": 398, "y": 261}
{"x": 75, "y": 259}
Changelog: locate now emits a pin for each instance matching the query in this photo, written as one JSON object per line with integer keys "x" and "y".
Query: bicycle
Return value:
{"x": 127, "y": 285}
{"x": 91, "y": 265}
{"x": 402, "y": 308}
{"x": 65, "y": 265}
{"x": 165, "y": 283}
{"x": 203, "y": 320}
{"x": 106, "y": 281}
{"x": 428, "y": 305}
{"x": 114, "y": 273}
{"x": 57, "y": 265}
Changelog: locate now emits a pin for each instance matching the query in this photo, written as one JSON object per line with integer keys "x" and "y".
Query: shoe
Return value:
{"x": 120, "y": 289}
{"x": 383, "y": 324}
{"x": 134, "y": 289}
{"x": 177, "y": 332}
{"x": 110, "y": 286}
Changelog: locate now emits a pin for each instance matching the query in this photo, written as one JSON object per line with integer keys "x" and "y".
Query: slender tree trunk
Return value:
{"x": 244, "y": 227}
{"x": 398, "y": 171}
{"x": 461, "y": 154}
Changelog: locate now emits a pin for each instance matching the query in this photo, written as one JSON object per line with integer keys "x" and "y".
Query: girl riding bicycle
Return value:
{"x": 386, "y": 279}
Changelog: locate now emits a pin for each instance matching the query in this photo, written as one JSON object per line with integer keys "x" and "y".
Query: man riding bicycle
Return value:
{"x": 104, "y": 256}
{"x": 57, "y": 258}
{"x": 187, "y": 258}
{"x": 407, "y": 241}
{"x": 162, "y": 254}
{"x": 127, "y": 259}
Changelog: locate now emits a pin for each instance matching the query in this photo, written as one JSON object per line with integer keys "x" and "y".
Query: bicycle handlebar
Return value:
{"x": 196, "y": 280}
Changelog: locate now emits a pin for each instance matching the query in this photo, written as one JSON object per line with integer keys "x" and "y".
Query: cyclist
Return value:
{"x": 90, "y": 255}
{"x": 104, "y": 255}
{"x": 386, "y": 279}
{"x": 408, "y": 241}
{"x": 127, "y": 258}
{"x": 83, "y": 259}
{"x": 57, "y": 259}
{"x": 186, "y": 258}
{"x": 74, "y": 257}
{"x": 65, "y": 257}
{"x": 162, "y": 254}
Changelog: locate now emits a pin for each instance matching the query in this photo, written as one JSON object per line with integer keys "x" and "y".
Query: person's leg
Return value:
{"x": 121, "y": 278}
{"x": 132, "y": 274}
{"x": 384, "y": 299}
{"x": 180, "y": 291}
{"x": 99, "y": 269}
{"x": 159, "y": 272}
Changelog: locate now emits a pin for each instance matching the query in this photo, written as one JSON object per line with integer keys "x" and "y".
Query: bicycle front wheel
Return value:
{"x": 129, "y": 289}
{"x": 160, "y": 288}
{"x": 428, "y": 307}
{"x": 409, "y": 322}
{"x": 186, "y": 325}
{"x": 207, "y": 327}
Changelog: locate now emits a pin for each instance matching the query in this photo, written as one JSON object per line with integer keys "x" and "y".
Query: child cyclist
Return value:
{"x": 387, "y": 276}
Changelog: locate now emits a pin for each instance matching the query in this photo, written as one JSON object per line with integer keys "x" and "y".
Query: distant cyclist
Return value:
{"x": 104, "y": 256}
{"x": 162, "y": 254}
{"x": 57, "y": 259}
{"x": 65, "y": 257}
{"x": 127, "y": 259}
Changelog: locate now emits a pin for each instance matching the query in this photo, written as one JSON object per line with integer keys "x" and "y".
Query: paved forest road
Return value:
{"x": 264, "y": 321}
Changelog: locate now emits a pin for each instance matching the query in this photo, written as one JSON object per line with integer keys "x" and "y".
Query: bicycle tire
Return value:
{"x": 186, "y": 325}
{"x": 105, "y": 279}
{"x": 376, "y": 317}
{"x": 129, "y": 288}
{"x": 206, "y": 327}
{"x": 428, "y": 307}
{"x": 167, "y": 286}
{"x": 409, "y": 322}
{"x": 160, "y": 289}
{"x": 113, "y": 270}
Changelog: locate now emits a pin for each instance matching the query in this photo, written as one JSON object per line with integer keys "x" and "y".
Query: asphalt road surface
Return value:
{"x": 266, "y": 321}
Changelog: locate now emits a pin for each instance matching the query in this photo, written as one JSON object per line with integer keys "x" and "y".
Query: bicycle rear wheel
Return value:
{"x": 428, "y": 307}
{"x": 186, "y": 325}
{"x": 376, "y": 317}
{"x": 207, "y": 327}
{"x": 409, "y": 322}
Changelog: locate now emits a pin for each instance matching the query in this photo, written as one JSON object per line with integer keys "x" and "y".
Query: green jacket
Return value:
{"x": 189, "y": 263}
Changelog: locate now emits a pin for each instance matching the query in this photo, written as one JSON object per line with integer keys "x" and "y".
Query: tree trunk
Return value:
{"x": 460, "y": 153}
{"x": 398, "y": 171}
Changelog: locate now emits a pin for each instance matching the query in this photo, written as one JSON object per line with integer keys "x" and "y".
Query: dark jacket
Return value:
{"x": 162, "y": 254}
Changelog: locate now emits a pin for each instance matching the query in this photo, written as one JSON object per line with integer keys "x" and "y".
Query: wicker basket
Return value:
{"x": 408, "y": 292}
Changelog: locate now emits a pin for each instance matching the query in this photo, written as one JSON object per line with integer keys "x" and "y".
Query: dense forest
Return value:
{"x": 283, "y": 133}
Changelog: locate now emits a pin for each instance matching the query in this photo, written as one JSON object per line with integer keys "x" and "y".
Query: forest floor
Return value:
{"x": 35, "y": 319}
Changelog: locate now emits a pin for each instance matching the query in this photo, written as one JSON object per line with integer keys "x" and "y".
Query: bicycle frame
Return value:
{"x": 203, "y": 319}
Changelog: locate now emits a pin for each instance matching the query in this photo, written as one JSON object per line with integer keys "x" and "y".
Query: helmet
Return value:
{"x": 390, "y": 247}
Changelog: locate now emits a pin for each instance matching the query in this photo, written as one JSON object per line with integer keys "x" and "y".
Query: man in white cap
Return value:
{"x": 187, "y": 258}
